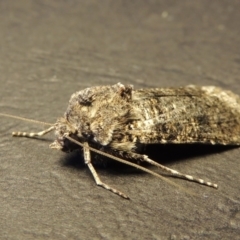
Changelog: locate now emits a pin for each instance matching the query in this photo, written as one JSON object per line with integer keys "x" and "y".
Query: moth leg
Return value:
{"x": 87, "y": 159}
{"x": 176, "y": 173}
{"x": 32, "y": 134}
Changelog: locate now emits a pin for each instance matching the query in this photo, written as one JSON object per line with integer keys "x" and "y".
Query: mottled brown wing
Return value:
{"x": 186, "y": 115}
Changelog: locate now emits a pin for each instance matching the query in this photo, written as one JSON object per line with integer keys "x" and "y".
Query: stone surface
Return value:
{"x": 50, "y": 50}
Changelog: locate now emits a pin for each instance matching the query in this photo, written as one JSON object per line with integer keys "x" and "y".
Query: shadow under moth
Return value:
{"x": 117, "y": 122}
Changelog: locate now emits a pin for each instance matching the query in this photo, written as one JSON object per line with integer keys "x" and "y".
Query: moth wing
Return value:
{"x": 187, "y": 115}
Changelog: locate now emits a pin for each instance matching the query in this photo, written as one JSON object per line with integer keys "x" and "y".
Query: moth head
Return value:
{"x": 91, "y": 114}
{"x": 62, "y": 129}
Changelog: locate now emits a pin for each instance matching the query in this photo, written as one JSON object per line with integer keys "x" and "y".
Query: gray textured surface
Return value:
{"x": 50, "y": 49}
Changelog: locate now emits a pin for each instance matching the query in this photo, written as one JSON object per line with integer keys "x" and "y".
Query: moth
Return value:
{"x": 118, "y": 122}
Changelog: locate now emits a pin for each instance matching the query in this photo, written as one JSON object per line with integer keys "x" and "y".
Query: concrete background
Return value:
{"x": 50, "y": 49}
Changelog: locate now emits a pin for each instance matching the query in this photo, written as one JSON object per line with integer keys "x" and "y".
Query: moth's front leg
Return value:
{"x": 87, "y": 159}
{"x": 33, "y": 134}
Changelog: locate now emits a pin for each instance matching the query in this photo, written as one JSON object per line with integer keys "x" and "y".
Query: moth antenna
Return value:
{"x": 128, "y": 163}
{"x": 25, "y": 119}
{"x": 32, "y": 134}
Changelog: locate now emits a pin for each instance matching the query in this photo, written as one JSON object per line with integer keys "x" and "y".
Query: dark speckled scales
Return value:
{"x": 187, "y": 115}
{"x": 120, "y": 121}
